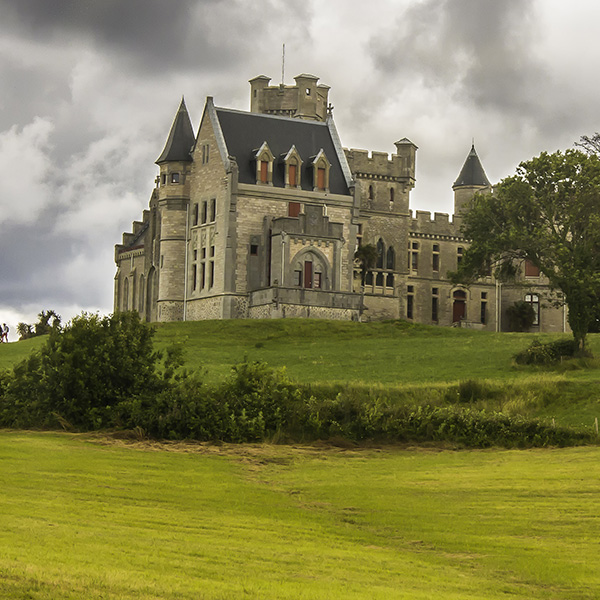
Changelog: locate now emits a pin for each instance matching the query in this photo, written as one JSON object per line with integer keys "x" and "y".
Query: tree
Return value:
{"x": 86, "y": 369}
{"x": 548, "y": 213}
{"x": 367, "y": 259}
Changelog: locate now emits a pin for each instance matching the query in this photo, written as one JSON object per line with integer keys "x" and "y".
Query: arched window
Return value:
{"x": 390, "y": 259}
{"x": 264, "y": 164}
{"x": 141, "y": 293}
{"x": 380, "y": 254}
{"x": 126, "y": 294}
{"x": 310, "y": 270}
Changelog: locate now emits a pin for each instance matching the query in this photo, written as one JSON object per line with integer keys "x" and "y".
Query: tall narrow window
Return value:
{"x": 195, "y": 218}
{"x": 204, "y": 211}
{"x": 264, "y": 171}
{"x": 211, "y": 273}
{"x": 409, "y": 302}
{"x": 435, "y": 262}
{"x": 321, "y": 178}
{"x": 292, "y": 172}
{"x": 213, "y": 209}
{"x": 459, "y": 255}
{"x": 194, "y": 276}
{"x": 380, "y": 254}
{"x": 534, "y": 300}
{"x": 434, "y": 309}
{"x": 390, "y": 259}
{"x": 391, "y": 194}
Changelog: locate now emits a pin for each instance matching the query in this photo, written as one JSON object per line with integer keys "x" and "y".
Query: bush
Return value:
{"x": 546, "y": 354}
{"x": 82, "y": 372}
{"x": 521, "y": 316}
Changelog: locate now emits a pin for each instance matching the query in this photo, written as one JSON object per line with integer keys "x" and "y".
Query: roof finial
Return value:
{"x": 283, "y": 65}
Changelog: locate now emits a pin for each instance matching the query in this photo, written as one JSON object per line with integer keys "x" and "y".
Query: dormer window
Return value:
{"x": 292, "y": 164}
{"x": 264, "y": 165}
{"x": 321, "y": 168}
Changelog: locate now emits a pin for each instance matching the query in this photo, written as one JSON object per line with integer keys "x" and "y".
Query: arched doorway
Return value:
{"x": 459, "y": 306}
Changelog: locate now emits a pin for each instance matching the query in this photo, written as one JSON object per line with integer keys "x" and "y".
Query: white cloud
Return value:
{"x": 25, "y": 169}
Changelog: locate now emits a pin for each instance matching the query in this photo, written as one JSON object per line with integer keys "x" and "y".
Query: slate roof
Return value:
{"x": 472, "y": 172}
{"x": 181, "y": 138}
{"x": 244, "y": 133}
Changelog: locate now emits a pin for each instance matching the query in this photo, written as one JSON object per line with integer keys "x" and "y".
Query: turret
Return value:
{"x": 471, "y": 180}
{"x": 175, "y": 164}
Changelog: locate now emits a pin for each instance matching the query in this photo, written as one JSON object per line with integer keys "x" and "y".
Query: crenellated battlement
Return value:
{"x": 422, "y": 222}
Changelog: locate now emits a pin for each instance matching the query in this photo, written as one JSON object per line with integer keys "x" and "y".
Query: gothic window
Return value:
{"x": 321, "y": 168}
{"x": 292, "y": 163}
{"x": 126, "y": 294}
{"x": 380, "y": 254}
{"x": 390, "y": 259}
{"x": 142, "y": 292}
{"x": 264, "y": 165}
{"x": 309, "y": 270}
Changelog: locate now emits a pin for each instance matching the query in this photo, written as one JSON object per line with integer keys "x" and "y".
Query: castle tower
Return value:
{"x": 471, "y": 180}
{"x": 305, "y": 100}
{"x": 172, "y": 209}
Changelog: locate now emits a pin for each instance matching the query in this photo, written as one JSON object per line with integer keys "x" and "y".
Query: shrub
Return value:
{"x": 546, "y": 354}
{"x": 83, "y": 371}
{"x": 520, "y": 315}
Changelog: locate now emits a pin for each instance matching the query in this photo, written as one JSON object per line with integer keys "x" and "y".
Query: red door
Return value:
{"x": 459, "y": 307}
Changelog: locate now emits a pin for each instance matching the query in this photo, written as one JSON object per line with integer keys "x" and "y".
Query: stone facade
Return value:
{"x": 259, "y": 214}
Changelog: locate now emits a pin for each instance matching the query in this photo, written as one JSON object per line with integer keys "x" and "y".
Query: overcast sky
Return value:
{"x": 89, "y": 88}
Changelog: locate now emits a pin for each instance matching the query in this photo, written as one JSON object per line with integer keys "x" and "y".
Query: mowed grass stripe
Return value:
{"x": 82, "y": 519}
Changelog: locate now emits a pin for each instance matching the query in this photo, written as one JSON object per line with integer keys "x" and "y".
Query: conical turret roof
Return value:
{"x": 472, "y": 172}
{"x": 181, "y": 138}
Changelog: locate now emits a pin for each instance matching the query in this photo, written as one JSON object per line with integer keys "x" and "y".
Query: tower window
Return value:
{"x": 174, "y": 177}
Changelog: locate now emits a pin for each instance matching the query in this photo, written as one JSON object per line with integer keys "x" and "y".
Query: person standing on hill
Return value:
{"x": 4, "y": 333}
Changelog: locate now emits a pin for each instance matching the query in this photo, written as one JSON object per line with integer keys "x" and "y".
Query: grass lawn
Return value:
{"x": 84, "y": 517}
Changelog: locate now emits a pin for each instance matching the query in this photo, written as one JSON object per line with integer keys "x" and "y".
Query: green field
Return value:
{"x": 87, "y": 517}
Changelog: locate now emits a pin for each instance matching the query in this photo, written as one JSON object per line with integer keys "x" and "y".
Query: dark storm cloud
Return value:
{"x": 479, "y": 50}
{"x": 150, "y": 34}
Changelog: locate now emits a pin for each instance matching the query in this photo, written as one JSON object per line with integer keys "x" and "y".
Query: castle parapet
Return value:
{"x": 380, "y": 164}
{"x": 439, "y": 224}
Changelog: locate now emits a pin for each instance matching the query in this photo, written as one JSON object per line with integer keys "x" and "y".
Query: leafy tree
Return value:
{"x": 367, "y": 259}
{"x": 25, "y": 331}
{"x": 44, "y": 326}
{"x": 84, "y": 370}
{"x": 549, "y": 213}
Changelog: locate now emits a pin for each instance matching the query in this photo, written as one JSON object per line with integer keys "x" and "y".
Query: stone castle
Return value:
{"x": 259, "y": 215}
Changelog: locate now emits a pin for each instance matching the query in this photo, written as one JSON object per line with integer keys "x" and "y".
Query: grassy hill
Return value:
{"x": 390, "y": 355}
{"x": 83, "y": 517}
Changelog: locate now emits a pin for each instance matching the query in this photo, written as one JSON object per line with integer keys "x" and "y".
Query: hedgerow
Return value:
{"x": 101, "y": 373}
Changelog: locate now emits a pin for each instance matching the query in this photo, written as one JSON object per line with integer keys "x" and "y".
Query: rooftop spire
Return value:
{"x": 181, "y": 138}
{"x": 472, "y": 172}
